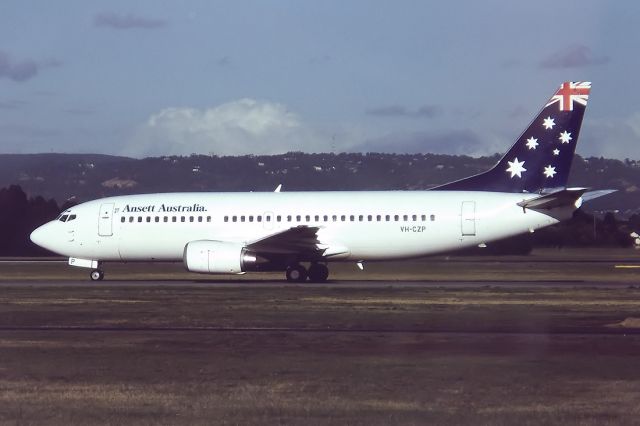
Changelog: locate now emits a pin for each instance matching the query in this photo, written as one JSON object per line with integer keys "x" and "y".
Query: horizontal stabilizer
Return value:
{"x": 561, "y": 198}
{"x": 591, "y": 195}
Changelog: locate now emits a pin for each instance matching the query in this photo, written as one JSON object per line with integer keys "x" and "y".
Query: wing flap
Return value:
{"x": 297, "y": 240}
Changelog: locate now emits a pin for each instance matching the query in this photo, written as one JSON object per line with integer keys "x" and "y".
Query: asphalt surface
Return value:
{"x": 331, "y": 284}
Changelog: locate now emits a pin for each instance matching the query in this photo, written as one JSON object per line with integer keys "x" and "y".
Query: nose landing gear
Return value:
{"x": 96, "y": 275}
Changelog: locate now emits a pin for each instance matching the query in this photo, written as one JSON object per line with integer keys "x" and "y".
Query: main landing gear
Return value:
{"x": 317, "y": 273}
{"x": 96, "y": 275}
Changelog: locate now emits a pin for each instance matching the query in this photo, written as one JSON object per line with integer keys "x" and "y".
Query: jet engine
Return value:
{"x": 218, "y": 257}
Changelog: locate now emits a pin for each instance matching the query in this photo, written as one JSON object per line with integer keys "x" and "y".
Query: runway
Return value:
{"x": 552, "y": 345}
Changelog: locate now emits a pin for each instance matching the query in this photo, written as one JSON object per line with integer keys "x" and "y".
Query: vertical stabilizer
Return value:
{"x": 541, "y": 157}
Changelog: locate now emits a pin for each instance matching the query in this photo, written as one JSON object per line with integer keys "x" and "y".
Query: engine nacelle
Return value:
{"x": 217, "y": 257}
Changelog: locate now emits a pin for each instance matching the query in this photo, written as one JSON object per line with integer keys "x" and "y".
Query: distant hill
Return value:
{"x": 89, "y": 176}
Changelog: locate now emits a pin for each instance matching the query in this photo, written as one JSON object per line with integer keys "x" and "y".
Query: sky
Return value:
{"x": 150, "y": 78}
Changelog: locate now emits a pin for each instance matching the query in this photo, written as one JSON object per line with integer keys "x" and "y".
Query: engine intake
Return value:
{"x": 217, "y": 257}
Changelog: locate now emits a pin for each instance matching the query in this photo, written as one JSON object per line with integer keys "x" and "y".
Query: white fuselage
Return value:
{"x": 353, "y": 225}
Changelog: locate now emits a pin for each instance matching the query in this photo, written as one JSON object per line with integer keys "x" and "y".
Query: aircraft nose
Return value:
{"x": 42, "y": 236}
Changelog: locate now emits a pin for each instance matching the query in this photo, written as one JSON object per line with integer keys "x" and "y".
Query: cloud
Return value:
{"x": 23, "y": 70}
{"x": 244, "y": 126}
{"x": 80, "y": 111}
{"x": 575, "y": 56}
{"x": 224, "y": 61}
{"x": 126, "y": 22}
{"x": 425, "y": 111}
{"x": 12, "y": 104}
{"x": 459, "y": 142}
{"x": 614, "y": 137}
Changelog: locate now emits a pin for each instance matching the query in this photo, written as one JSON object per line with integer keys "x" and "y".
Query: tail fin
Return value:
{"x": 541, "y": 157}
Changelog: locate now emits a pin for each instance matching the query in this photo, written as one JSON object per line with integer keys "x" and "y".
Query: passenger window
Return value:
{"x": 289, "y": 218}
{"x": 396, "y": 217}
{"x": 166, "y": 219}
{"x": 267, "y": 218}
{"x": 369, "y": 218}
{"x": 157, "y": 219}
{"x": 343, "y": 218}
{"x": 307, "y": 218}
{"x": 279, "y": 218}
{"x": 148, "y": 219}
{"x": 325, "y": 218}
{"x": 139, "y": 219}
{"x": 433, "y": 217}
{"x": 174, "y": 218}
{"x": 242, "y": 218}
{"x": 405, "y": 217}
{"x": 182, "y": 218}
{"x": 234, "y": 218}
{"x": 130, "y": 219}
{"x": 298, "y": 218}
{"x": 360, "y": 218}
{"x": 199, "y": 218}
{"x": 334, "y": 218}
{"x": 208, "y": 218}
{"x": 352, "y": 218}
{"x": 378, "y": 218}
{"x": 317, "y": 218}
{"x": 250, "y": 218}
{"x": 258, "y": 218}
{"x": 387, "y": 218}
{"x": 122, "y": 219}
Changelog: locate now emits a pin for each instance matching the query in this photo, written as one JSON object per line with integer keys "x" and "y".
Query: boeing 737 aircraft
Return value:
{"x": 232, "y": 233}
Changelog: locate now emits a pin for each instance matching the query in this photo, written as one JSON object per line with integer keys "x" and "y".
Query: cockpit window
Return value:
{"x": 63, "y": 218}
{"x": 71, "y": 217}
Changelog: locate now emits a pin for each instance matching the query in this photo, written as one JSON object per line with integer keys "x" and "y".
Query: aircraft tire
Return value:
{"x": 296, "y": 274}
{"x": 318, "y": 273}
{"x": 96, "y": 275}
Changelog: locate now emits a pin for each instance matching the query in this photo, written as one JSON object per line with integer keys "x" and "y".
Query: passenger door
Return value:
{"x": 105, "y": 221}
{"x": 468, "y": 218}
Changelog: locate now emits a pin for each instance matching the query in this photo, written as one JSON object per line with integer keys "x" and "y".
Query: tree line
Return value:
{"x": 19, "y": 215}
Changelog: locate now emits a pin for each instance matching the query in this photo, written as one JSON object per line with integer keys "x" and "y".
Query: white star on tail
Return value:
{"x": 515, "y": 167}
{"x": 532, "y": 143}
{"x": 549, "y": 123}
{"x": 549, "y": 171}
{"x": 565, "y": 137}
{"x": 556, "y": 151}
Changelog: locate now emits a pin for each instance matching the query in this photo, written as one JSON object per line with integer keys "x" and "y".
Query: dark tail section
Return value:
{"x": 541, "y": 157}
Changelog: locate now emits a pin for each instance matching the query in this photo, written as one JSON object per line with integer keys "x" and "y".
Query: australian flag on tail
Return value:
{"x": 541, "y": 158}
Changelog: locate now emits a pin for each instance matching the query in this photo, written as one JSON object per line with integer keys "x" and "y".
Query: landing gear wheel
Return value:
{"x": 318, "y": 273}
{"x": 296, "y": 274}
{"x": 96, "y": 275}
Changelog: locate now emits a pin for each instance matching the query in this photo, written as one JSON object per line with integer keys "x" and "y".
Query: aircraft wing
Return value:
{"x": 297, "y": 240}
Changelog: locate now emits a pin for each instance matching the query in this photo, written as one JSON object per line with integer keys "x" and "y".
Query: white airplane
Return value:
{"x": 233, "y": 233}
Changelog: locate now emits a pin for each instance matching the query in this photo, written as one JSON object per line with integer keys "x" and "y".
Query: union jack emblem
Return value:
{"x": 571, "y": 92}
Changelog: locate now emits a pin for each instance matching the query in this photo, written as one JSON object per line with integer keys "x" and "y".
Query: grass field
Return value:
{"x": 188, "y": 353}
